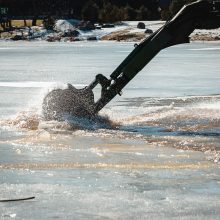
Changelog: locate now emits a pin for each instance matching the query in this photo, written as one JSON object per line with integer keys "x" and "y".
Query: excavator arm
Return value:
{"x": 198, "y": 15}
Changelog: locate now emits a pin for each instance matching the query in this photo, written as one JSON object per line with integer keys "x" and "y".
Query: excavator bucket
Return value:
{"x": 69, "y": 101}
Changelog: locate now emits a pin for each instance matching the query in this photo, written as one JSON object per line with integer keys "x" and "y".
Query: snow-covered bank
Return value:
{"x": 132, "y": 33}
{"x": 75, "y": 30}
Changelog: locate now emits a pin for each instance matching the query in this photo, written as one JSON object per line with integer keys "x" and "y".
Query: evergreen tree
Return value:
{"x": 116, "y": 14}
{"x": 90, "y": 11}
{"x": 176, "y": 5}
{"x": 165, "y": 14}
{"x": 142, "y": 13}
{"x": 129, "y": 13}
{"x": 110, "y": 13}
{"x": 105, "y": 13}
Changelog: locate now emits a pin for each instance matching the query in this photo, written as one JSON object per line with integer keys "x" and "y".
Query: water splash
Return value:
{"x": 188, "y": 123}
{"x": 29, "y": 120}
{"x": 32, "y": 120}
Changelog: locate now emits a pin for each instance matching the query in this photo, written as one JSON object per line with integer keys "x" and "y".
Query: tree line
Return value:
{"x": 93, "y": 10}
{"x": 80, "y": 9}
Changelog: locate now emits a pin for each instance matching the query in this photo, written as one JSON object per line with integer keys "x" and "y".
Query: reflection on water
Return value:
{"x": 136, "y": 166}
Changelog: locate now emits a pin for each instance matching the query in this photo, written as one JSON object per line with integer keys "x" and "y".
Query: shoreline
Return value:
{"x": 119, "y": 36}
{"x": 136, "y": 36}
{"x": 128, "y": 31}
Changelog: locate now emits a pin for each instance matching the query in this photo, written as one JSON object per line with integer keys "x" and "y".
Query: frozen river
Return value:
{"x": 157, "y": 158}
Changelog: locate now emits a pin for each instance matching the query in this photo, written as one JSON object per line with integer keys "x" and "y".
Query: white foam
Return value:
{"x": 215, "y": 105}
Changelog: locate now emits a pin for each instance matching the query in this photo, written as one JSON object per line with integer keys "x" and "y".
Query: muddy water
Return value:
{"x": 157, "y": 147}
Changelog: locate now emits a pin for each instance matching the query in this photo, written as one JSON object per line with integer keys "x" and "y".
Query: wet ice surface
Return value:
{"x": 142, "y": 165}
{"x": 95, "y": 178}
